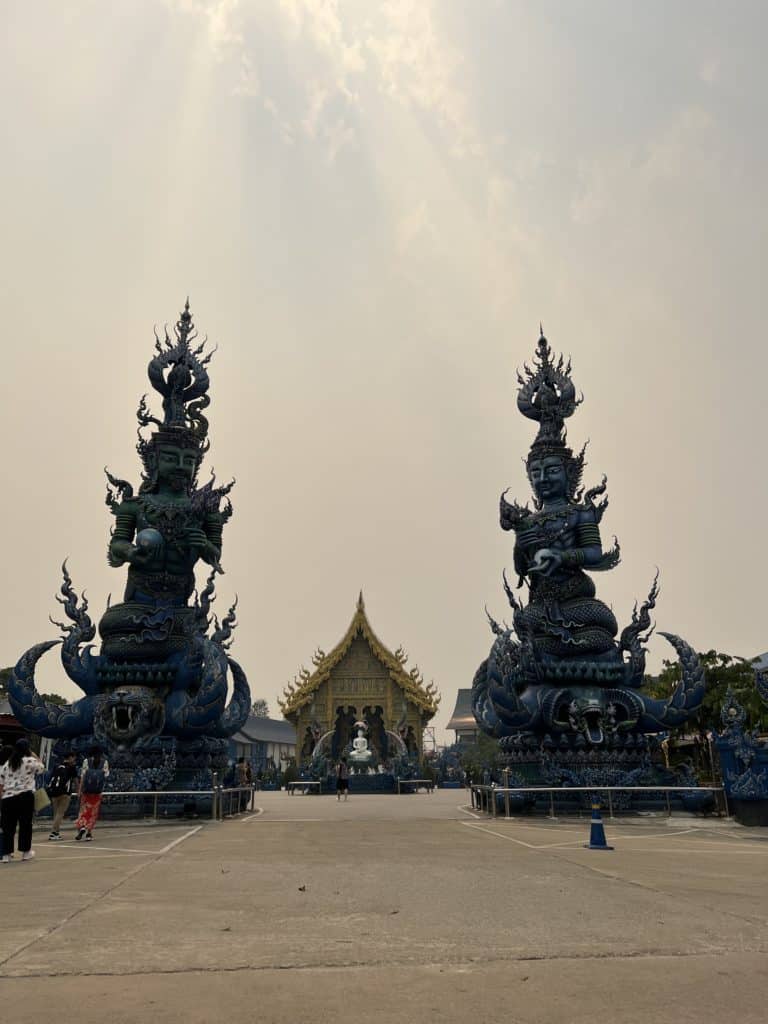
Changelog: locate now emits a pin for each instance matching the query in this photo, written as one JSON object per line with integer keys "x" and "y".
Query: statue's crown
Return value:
{"x": 547, "y": 394}
{"x": 178, "y": 372}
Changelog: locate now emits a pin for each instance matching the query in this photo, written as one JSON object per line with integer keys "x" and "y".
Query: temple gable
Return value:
{"x": 360, "y": 681}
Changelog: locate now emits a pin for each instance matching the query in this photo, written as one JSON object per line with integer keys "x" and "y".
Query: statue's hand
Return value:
{"x": 199, "y": 542}
{"x": 139, "y": 556}
{"x": 546, "y": 561}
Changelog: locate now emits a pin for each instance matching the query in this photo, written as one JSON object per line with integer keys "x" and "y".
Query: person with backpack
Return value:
{"x": 93, "y": 775}
{"x": 17, "y": 799}
{"x": 60, "y": 789}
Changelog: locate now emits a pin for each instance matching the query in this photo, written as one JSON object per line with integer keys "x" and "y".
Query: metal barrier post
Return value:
{"x": 154, "y": 807}
{"x": 214, "y": 787}
{"x": 610, "y": 803}
{"x": 552, "y": 804}
{"x": 506, "y": 801}
{"x": 669, "y": 807}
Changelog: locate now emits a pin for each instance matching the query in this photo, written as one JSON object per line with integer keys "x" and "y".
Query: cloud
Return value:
{"x": 411, "y": 225}
{"x": 419, "y": 69}
{"x": 248, "y": 81}
{"x": 220, "y": 18}
{"x": 679, "y": 154}
{"x": 709, "y": 69}
{"x": 284, "y": 127}
{"x": 321, "y": 19}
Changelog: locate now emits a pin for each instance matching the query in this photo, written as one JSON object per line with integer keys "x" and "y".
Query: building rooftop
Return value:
{"x": 301, "y": 692}
{"x": 266, "y": 730}
{"x": 462, "y": 717}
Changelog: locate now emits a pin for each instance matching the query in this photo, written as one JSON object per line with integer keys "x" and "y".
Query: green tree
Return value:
{"x": 483, "y": 753}
{"x": 54, "y": 698}
{"x": 260, "y": 708}
{"x": 722, "y": 671}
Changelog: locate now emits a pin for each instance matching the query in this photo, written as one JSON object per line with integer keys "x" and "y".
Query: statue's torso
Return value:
{"x": 563, "y": 613}
{"x": 555, "y": 529}
{"x": 173, "y": 520}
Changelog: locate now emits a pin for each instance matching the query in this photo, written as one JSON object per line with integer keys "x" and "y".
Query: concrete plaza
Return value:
{"x": 389, "y": 909}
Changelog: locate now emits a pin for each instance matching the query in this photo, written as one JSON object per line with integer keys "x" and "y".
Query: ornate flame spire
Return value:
{"x": 547, "y": 395}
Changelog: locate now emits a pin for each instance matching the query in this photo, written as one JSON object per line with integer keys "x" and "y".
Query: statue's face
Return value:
{"x": 176, "y": 467}
{"x": 548, "y": 477}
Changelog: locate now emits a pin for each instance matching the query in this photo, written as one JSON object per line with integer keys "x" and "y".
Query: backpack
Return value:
{"x": 60, "y": 784}
{"x": 93, "y": 780}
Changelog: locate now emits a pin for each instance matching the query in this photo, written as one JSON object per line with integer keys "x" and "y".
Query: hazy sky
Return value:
{"x": 371, "y": 206}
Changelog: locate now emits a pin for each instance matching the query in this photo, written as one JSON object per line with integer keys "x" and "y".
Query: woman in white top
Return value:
{"x": 17, "y": 799}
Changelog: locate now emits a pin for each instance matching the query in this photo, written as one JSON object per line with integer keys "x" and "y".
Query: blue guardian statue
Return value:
{"x": 155, "y": 696}
{"x": 560, "y": 690}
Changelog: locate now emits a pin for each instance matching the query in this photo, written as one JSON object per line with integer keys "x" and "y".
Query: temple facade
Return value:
{"x": 360, "y": 689}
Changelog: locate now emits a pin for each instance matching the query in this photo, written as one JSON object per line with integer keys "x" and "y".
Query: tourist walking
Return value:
{"x": 60, "y": 788}
{"x": 5, "y": 753}
{"x": 93, "y": 775}
{"x": 17, "y": 799}
{"x": 244, "y": 781}
{"x": 342, "y": 779}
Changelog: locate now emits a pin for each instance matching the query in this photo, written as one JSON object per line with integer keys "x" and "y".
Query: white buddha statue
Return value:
{"x": 360, "y": 755}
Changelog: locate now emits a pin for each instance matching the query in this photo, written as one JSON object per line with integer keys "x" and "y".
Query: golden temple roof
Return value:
{"x": 301, "y": 691}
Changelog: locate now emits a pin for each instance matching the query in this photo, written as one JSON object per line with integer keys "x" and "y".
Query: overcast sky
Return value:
{"x": 372, "y": 205}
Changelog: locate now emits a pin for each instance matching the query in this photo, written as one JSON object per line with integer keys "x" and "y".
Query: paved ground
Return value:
{"x": 388, "y": 909}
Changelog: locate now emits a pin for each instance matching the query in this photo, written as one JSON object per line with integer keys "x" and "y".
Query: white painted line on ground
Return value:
{"x": 709, "y": 849}
{"x": 515, "y": 823}
{"x": 149, "y": 830}
{"x": 467, "y": 810}
{"x": 257, "y": 814}
{"x": 115, "y": 849}
{"x": 490, "y": 832}
{"x": 179, "y": 839}
{"x": 272, "y": 821}
{"x": 75, "y": 858}
{"x": 653, "y": 835}
{"x": 152, "y": 856}
{"x": 576, "y": 845}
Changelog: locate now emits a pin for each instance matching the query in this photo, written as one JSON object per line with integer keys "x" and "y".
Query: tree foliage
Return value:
{"x": 475, "y": 757}
{"x": 722, "y": 671}
{"x": 260, "y": 708}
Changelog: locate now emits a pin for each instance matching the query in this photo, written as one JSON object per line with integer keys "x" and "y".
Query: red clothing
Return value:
{"x": 89, "y": 811}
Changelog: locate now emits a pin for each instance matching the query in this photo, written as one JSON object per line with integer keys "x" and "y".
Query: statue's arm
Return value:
{"x": 213, "y": 528}
{"x": 520, "y": 561}
{"x": 588, "y": 549}
{"x": 121, "y": 547}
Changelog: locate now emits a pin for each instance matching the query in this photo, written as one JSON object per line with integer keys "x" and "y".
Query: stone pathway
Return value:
{"x": 388, "y": 909}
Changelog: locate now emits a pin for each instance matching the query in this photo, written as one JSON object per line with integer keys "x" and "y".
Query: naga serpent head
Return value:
{"x": 128, "y": 714}
{"x": 594, "y": 712}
